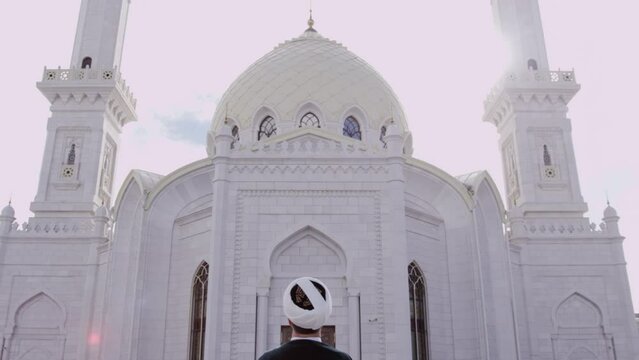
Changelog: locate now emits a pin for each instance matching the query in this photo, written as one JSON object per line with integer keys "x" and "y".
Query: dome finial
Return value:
{"x": 310, "y": 21}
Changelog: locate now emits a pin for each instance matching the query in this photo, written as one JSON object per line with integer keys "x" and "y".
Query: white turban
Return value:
{"x": 321, "y": 308}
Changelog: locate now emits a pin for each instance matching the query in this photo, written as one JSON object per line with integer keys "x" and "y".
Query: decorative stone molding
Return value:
{"x": 91, "y": 88}
{"x": 560, "y": 227}
{"x": 531, "y": 88}
{"x": 307, "y": 169}
{"x": 308, "y": 141}
{"x": 60, "y": 229}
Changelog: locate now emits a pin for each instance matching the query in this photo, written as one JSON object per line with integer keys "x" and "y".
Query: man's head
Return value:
{"x": 307, "y": 304}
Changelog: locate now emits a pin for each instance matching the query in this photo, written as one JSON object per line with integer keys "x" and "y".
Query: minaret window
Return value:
{"x": 351, "y": 128}
{"x": 267, "y": 128}
{"x": 547, "y": 159}
{"x": 198, "y": 311}
{"x": 235, "y": 132}
{"x": 86, "y": 62}
{"x": 532, "y": 64}
{"x": 418, "y": 313}
{"x": 310, "y": 120}
{"x": 71, "y": 156}
{"x": 382, "y": 135}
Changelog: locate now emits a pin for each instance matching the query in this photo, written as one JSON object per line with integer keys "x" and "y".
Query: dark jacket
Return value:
{"x": 305, "y": 350}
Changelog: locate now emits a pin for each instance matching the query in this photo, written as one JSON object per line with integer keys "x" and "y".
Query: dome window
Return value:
{"x": 532, "y": 65}
{"x": 351, "y": 128}
{"x": 235, "y": 132}
{"x": 267, "y": 128}
{"x": 310, "y": 120}
{"x": 382, "y": 135}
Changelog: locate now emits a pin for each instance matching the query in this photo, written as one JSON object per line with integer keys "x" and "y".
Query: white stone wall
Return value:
{"x": 192, "y": 232}
{"x": 47, "y": 292}
{"x": 575, "y": 299}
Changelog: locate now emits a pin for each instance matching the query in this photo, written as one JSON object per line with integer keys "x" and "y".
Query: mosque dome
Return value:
{"x": 309, "y": 74}
{"x": 610, "y": 212}
{"x": 8, "y": 211}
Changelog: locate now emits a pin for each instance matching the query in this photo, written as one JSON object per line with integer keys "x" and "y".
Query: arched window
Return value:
{"x": 198, "y": 311}
{"x": 382, "y": 135}
{"x": 235, "y": 132}
{"x": 71, "y": 156}
{"x": 351, "y": 128}
{"x": 86, "y": 63}
{"x": 310, "y": 120}
{"x": 532, "y": 64}
{"x": 267, "y": 128}
{"x": 547, "y": 159}
{"x": 418, "y": 320}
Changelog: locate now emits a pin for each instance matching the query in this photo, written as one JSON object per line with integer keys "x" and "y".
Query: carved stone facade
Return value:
{"x": 330, "y": 189}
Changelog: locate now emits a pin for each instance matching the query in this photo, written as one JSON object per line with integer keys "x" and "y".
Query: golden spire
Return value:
{"x": 310, "y": 21}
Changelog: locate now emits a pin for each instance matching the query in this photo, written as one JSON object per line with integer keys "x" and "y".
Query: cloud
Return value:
{"x": 185, "y": 127}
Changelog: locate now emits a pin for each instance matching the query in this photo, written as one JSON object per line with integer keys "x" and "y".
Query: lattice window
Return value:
{"x": 418, "y": 312}
{"x": 352, "y": 129}
{"x": 268, "y": 128}
{"x": 235, "y": 132}
{"x": 310, "y": 120}
{"x": 382, "y": 135}
{"x": 198, "y": 312}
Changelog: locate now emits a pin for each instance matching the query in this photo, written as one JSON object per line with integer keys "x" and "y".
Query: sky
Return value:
{"x": 440, "y": 57}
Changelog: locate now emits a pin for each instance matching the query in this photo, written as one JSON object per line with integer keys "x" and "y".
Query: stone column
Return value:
{"x": 261, "y": 319}
{"x": 354, "y": 335}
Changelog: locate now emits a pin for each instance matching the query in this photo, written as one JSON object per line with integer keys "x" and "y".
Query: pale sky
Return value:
{"x": 441, "y": 58}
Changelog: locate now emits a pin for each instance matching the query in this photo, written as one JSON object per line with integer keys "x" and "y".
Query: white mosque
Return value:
{"x": 309, "y": 172}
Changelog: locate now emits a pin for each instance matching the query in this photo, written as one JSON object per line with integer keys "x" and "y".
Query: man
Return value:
{"x": 307, "y": 305}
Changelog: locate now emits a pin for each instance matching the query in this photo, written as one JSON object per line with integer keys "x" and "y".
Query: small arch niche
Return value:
{"x": 532, "y": 65}
{"x": 582, "y": 353}
{"x": 308, "y": 252}
{"x": 40, "y": 312}
{"x": 86, "y": 62}
{"x": 576, "y": 311}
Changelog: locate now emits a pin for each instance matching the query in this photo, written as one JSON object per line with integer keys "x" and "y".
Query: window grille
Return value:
{"x": 235, "y": 132}
{"x": 418, "y": 313}
{"x": 351, "y": 128}
{"x": 382, "y": 135}
{"x": 309, "y": 120}
{"x": 267, "y": 128}
{"x": 198, "y": 311}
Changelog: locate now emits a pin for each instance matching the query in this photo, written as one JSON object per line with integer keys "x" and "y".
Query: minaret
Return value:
{"x": 528, "y": 105}
{"x": 90, "y": 103}
{"x": 100, "y": 34}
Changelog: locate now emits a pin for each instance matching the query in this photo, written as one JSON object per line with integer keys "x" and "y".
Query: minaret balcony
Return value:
{"x": 85, "y": 87}
{"x": 529, "y": 88}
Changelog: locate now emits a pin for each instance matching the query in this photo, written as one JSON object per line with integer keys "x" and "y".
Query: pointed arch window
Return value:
{"x": 198, "y": 311}
{"x": 418, "y": 312}
{"x": 382, "y": 135}
{"x": 235, "y": 132}
{"x": 268, "y": 128}
{"x": 310, "y": 120}
{"x": 71, "y": 156}
{"x": 352, "y": 129}
{"x": 547, "y": 159}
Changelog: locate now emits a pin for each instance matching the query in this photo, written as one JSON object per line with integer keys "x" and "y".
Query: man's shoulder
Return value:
{"x": 297, "y": 348}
